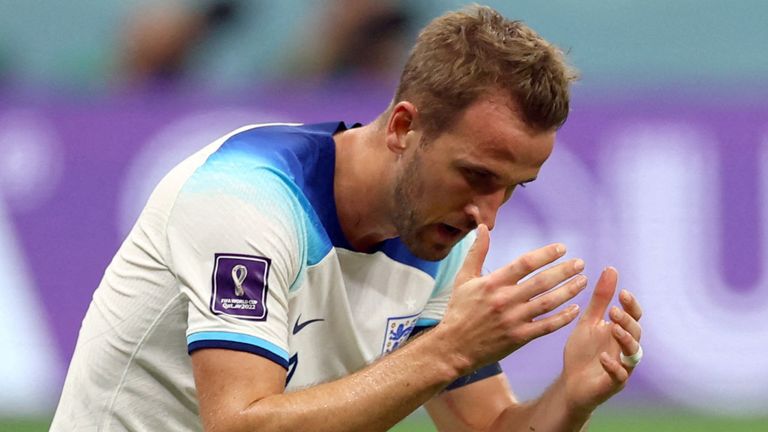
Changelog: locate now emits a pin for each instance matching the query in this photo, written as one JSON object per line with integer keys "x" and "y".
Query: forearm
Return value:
{"x": 549, "y": 413}
{"x": 372, "y": 399}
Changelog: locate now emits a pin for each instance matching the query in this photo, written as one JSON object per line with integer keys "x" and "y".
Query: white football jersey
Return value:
{"x": 239, "y": 247}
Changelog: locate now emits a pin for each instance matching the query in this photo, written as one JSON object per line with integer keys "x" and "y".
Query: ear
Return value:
{"x": 402, "y": 121}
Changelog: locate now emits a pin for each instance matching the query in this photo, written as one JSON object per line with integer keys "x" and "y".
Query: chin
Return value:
{"x": 429, "y": 251}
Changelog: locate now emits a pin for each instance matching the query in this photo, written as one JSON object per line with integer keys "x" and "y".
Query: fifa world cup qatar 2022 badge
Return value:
{"x": 240, "y": 286}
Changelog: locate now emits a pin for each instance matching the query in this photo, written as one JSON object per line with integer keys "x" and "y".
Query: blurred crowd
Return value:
{"x": 220, "y": 46}
{"x": 229, "y": 44}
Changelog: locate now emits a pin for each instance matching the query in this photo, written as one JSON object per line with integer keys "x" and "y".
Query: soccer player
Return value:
{"x": 328, "y": 277}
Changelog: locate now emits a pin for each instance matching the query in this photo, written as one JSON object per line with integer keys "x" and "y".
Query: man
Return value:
{"x": 293, "y": 261}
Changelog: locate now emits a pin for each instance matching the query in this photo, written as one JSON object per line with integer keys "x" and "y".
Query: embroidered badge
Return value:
{"x": 397, "y": 332}
{"x": 240, "y": 286}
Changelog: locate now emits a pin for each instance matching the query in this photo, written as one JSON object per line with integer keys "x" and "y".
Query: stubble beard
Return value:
{"x": 409, "y": 188}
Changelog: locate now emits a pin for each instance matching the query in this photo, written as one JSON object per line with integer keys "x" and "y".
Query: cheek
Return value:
{"x": 447, "y": 193}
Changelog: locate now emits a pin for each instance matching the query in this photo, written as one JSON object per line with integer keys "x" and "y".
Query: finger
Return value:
{"x": 551, "y": 277}
{"x": 630, "y": 304}
{"x": 626, "y": 321}
{"x": 629, "y": 345}
{"x": 618, "y": 374}
{"x": 551, "y": 300}
{"x": 604, "y": 290}
{"x": 553, "y": 323}
{"x": 473, "y": 263}
{"x": 528, "y": 263}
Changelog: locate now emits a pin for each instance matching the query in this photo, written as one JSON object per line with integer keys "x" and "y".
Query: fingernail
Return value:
{"x": 581, "y": 280}
{"x": 626, "y": 295}
{"x": 573, "y": 308}
{"x": 560, "y": 248}
{"x": 615, "y": 312}
{"x": 578, "y": 265}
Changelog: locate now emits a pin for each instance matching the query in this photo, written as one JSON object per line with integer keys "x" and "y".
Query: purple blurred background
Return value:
{"x": 669, "y": 191}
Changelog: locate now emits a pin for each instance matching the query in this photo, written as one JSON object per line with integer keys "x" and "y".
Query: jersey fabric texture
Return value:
{"x": 239, "y": 247}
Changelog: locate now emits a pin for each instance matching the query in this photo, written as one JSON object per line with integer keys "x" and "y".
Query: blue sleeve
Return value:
{"x": 484, "y": 372}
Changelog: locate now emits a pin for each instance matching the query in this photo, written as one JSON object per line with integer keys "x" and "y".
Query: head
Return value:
{"x": 474, "y": 116}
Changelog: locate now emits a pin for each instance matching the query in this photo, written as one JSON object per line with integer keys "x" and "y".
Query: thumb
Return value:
{"x": 473, "y": 263}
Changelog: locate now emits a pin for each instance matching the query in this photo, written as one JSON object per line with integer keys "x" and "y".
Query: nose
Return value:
{"x": 484, "y": 208}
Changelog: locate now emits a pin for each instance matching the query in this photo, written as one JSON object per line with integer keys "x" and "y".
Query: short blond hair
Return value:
{"x": 461, "y": 55}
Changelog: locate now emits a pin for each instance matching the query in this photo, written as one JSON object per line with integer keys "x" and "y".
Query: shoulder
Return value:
{"x": 267, "y": 163}
{"x": 292, "y": 150}
{"x": 268, "y": 186}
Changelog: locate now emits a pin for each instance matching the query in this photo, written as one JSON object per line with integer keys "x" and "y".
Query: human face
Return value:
{"x": 447, "y": 186}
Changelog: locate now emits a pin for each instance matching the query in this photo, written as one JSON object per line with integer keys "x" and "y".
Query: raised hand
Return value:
{"x": 592, "y": 369}
{"x": 491, "y": 316}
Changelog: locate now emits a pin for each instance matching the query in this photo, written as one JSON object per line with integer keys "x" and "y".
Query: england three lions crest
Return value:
{"x": 397, "y": 332}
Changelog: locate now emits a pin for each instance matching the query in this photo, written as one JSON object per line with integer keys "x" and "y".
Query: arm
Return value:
{"x": 240, "y": 391}
{"x": 490, "y": 405}
{"x": 591, "y": 374}
{"x": 488, "y": 318}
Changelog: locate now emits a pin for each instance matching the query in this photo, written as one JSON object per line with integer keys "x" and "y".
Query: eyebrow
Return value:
{"x": 482, "y": 167}
{"x": 492, "y": 172}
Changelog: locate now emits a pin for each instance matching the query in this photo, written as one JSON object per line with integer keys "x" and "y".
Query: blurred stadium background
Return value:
{"x": 662, "y": 169}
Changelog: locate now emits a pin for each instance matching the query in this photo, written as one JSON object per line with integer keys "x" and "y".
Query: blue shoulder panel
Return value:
{"x": 304, "y": 156}
{"x": 450, "y": 266}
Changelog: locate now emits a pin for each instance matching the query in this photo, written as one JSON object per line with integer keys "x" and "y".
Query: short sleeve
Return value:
{"x": 446, "y": 274}
{"x": 236, "y": 242}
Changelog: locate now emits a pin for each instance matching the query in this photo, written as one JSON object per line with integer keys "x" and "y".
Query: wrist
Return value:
{"x": 441, "y": 347}
{"x": 575, "y": 410}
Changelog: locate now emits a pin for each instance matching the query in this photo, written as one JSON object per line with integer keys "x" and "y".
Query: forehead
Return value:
{"x": 492, "y": 129}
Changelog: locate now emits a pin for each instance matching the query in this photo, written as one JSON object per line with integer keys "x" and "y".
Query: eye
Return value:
{"x": 475, "y": 175}
{"x": 481, "y": 175}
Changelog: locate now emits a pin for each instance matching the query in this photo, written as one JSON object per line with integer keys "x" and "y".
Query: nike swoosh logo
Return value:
{"x": 297, "y": 327}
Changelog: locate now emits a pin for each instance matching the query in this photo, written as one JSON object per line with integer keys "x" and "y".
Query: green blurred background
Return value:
{"x": 606, "y": 420}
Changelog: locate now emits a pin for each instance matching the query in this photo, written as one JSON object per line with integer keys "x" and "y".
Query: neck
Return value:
{"x": 362, "y": 187}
